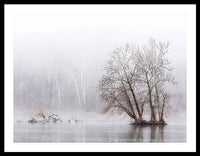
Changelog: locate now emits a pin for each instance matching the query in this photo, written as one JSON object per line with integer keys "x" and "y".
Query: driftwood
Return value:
{"x": 45, "y": 117}
{"x": 54, "y": 118}
{"x": 33, "y": 120}
{"x": 75, "y": 121}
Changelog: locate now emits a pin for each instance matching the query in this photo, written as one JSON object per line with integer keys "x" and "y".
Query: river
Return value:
{"x": 97, "y": 132}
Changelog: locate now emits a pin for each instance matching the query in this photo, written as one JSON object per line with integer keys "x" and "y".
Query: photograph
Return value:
{"x": 99, "y": 73}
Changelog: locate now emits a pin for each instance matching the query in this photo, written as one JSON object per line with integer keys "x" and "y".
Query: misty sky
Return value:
{"x": 85, "y": 36}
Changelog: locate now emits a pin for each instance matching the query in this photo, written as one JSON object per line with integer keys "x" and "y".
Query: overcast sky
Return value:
{"x": 86, "y": 35}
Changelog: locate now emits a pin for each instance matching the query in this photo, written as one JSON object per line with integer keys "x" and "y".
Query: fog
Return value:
{"x": 59, "y": 54}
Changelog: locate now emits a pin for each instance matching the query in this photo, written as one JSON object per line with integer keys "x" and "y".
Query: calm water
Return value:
{"x": 103, "y": 132}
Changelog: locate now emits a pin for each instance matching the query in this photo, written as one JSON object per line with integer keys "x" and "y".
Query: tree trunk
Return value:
{"x": 133, "y": 94}
{"x": 162, "y": 111}
{"x": 158, "y": 103}
{"x": 128, "y": 98}
{"x": 153, "y": 116}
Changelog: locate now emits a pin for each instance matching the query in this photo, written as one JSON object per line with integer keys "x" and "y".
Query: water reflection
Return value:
{"x": 98, "y": 133}
{"x": 150, "y": 133}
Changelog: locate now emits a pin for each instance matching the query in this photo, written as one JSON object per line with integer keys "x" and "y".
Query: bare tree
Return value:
{"x": 135, "y": 77}
{"x": 154, "y": 70}
{"x": 79, "y": 78}
{"x": 118, "y": 86}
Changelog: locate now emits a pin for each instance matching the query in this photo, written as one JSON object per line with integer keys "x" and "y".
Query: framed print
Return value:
{"x": 100, "y": 77}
